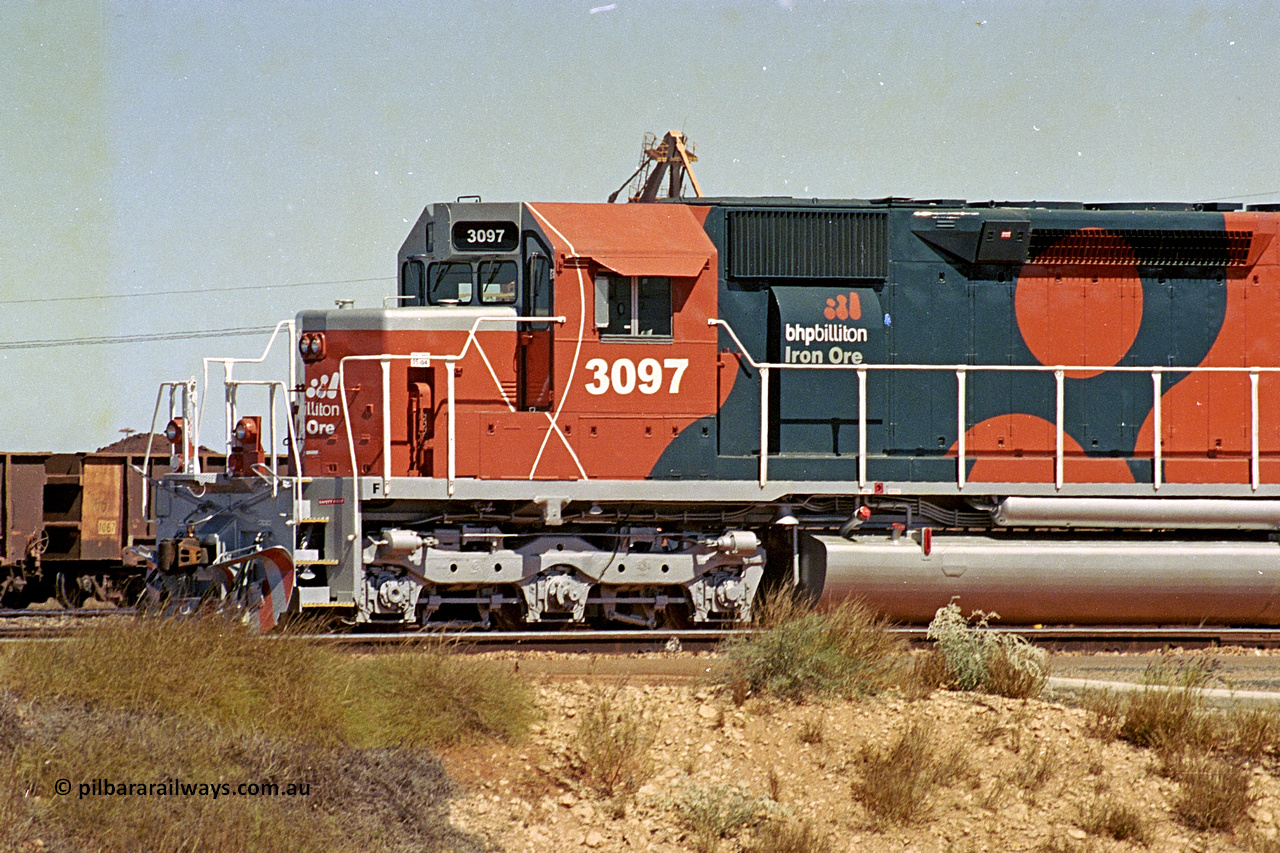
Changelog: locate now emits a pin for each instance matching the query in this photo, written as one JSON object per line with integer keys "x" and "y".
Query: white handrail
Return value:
{"x": 272, "y": 385}
{"x": 425, "y": 359}
{"x": 229, "y": 363}
{"x": 190, "y": 433}
{"x": 1060, "y": 373}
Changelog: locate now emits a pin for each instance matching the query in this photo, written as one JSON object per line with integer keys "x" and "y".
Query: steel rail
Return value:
{"x": 632, "y": 640}
{"x": 565, "y": 640}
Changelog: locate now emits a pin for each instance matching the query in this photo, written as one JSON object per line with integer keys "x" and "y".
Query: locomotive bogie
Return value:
{"x": 557, "y": 577}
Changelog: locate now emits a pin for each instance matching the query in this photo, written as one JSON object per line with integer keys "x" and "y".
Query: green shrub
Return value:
{"x": 799, "y": 653}
{"x": 989, "y": 661}
{"x": 718, "y": 812}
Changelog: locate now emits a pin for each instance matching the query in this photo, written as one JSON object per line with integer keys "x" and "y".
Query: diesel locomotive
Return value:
{"x": 644, "y": 414}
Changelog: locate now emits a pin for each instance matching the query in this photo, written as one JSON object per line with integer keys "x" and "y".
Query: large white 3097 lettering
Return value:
{"x": 625, "y": 376}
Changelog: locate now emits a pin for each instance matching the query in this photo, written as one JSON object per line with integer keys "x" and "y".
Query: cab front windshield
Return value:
{"x": 453, "y": 282}
{"x": 449, "y": 283}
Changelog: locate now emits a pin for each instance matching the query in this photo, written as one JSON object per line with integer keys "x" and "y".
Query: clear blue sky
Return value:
{"x": 191, "y": 166}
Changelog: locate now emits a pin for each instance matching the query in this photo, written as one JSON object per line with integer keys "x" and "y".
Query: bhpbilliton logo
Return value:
{"x": 842, "y": 307}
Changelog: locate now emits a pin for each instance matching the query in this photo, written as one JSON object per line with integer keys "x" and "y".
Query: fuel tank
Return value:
{"x": 1050, "y": 582}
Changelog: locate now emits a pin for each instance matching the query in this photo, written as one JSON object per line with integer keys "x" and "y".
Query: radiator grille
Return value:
{"x": 808, "y": 244}
{"x": 1157, "y": 248}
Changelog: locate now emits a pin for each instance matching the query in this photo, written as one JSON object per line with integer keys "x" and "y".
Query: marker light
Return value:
{"x": 312, "y": 346}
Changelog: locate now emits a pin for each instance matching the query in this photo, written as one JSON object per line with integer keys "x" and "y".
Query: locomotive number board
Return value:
{"x": 485, "y": 236}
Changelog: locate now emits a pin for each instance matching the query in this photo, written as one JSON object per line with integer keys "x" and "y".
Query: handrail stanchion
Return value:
{"x": 1254, "y": 472}
{"x": 453, "y": 444}
{"x": 229, "y": 391}
{"x": 386, "y": 425}
{"x": 1058, "y": 375}
{"x": 960, "y": 425}
{"x": 1157, "y": 431}
{"x": 271, "y": 427}
{"x": 764, "y": 426}
{"x": 862, "y": 427}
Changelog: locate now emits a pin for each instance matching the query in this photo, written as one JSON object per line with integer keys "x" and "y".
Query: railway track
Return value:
{"x": 82, "y": 613}
{"x": 1125, "y": 638}
{"x": 19, "y": 624}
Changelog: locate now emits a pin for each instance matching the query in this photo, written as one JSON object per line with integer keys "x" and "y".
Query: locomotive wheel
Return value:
{"x": 69, "y": 595}
{"x": 508, "y": 617}
{"x": 675, "y": 617}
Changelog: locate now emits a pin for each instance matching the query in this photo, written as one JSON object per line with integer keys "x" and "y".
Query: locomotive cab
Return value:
{"x": 471, "y": 279}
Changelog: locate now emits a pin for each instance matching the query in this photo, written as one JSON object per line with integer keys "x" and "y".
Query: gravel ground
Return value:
{"x": 1029, "y": 772}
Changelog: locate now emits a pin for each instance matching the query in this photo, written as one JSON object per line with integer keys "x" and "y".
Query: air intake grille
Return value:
{"x": 808, "y": 244}
{"x": 1127, "y": 247}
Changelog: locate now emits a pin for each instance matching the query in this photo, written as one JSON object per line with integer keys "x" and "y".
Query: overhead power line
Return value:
{"x": 1239, "y": 197}
{"x": 133, "y": 339}
{"x": 197, "y": 292}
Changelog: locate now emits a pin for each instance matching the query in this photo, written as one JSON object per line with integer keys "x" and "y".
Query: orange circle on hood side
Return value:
{"x": 1088, "y": 320}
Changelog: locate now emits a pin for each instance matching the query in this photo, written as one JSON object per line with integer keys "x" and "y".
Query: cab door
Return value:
{"x": 534, "y": 351}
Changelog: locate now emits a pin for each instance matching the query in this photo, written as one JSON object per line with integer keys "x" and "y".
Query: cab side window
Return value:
{"x": 412, "y": 278}
{"x": 633, "y": 306}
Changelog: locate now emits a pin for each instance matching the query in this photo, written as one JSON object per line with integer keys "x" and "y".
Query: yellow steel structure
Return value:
{"x": 672, "y": 154}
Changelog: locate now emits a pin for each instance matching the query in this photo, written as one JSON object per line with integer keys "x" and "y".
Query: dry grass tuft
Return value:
{"x": 1200, "y": 749}
{"x": 1170, "y": 720}
{"x": 1253, "y": 731}
{"x": 775, "y": 785}
{"x": 210, "y": 669}
{"x": 812, "y": 729}
{"x": 201, "y": 701}
{"x": 898, "y": 781}
{"x": 383, "y": 698}
{"x": 790, "y": 836}
{"x": 1036, "y": 769}
{"x": 801, "y": 653}
{"x": 341, "y": 796}
{"x": 1106, "y": 711}
{"x": 928, "y": 673}
{"x": 614, "y": 745}
{"x": 1215, "y": 794}
{"x": 1110, "y": 817}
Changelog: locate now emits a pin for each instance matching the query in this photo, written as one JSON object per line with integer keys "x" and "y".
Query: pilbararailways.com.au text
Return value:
{"x": 105, "y": 787}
